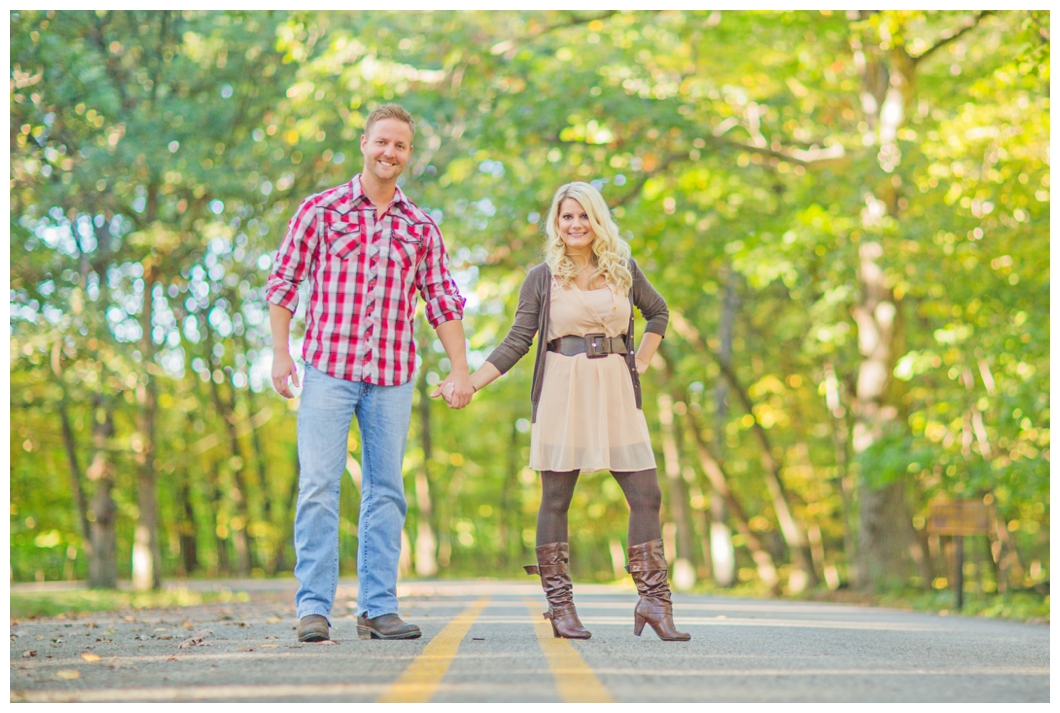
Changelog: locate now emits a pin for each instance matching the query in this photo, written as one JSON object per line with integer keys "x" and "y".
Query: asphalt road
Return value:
{"x": 486, "y": 641}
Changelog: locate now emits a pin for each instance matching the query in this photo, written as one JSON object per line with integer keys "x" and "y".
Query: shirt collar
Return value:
{"x": 357, "y": 193}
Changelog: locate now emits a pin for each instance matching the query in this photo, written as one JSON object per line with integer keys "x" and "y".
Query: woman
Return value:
{"x": 586, "y": 397}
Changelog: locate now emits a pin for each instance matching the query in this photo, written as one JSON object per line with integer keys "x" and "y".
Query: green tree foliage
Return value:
{"x": 872, "y": 187}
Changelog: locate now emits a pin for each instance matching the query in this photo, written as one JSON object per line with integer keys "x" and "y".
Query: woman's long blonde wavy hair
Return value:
{"x": 610, "y": 252}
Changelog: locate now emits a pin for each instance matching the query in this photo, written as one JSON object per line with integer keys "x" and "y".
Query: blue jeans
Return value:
{"x": 383, "y": 412}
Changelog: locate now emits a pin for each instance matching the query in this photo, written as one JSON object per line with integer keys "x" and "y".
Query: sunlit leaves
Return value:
{"x": 737, "y": 148}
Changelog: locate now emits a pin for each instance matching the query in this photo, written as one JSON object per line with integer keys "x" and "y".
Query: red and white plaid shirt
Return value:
{"x": 363, "y": 276}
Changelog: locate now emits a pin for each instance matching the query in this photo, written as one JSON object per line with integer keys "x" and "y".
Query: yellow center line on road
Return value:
{"x": 420, "y": 680}
{"x": 575, "y": 680}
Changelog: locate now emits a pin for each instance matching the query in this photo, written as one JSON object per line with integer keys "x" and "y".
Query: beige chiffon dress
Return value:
{"x": 587, "y": 418}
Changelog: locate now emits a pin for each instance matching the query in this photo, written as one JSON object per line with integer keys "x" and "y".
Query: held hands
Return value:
{"x": 456, "y": 389}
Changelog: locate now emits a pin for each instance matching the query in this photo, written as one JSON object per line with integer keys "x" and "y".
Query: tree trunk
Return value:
{"x": 794, "y": 534}
{"x": 841, "y": 444}
{"x": 1003, "y": 551}
{"x": 445, "y": 515}
{"x": 426, "y": 561}
{"x": 509, "y": 515}
{"x": 684, "y": 571}
{"x": 146, "y": 554}
{"x": 220, "y": 540}
{"x": 226, "y": 411}
{"x": 103, "y": 554}
{"x": 189, "y": 550}
{"x": 767, "y": 570}
{"x": 802, "y": 574}
{"x": 186, "y": 516}
{"x": 723, "y": 554}
{"x": 883, "y": 541}
{"x": 279, "y": 561}
{"x": 70, "y": 444}
{"x": 886, "y": 534}
{"x": 260, "y": 460}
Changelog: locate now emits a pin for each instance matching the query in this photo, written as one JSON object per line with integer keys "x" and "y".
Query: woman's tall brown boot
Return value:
{"x": 647, "y": 566}
{"x": 551, "y": 564}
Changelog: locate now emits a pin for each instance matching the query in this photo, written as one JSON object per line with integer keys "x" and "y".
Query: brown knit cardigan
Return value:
{"x": 531, "y": 316}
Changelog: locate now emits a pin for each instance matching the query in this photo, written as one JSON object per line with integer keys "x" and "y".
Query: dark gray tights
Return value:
{"x": 641, "y": 489}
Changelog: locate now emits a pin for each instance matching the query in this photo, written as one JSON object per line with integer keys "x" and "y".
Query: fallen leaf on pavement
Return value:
{"x": 187, "y": 625}
{"x": 270, "y": 646}
{"x": 273, "y": 620}
{"x": 28, "y": 654}
{"x": 328, "y": 642}
{"x": 270, "y": 638}
{"x": 68, "y": 674}
{"x": 194, "y": 641}
{"x": 90, "y": 657}
{"x": 245, "y": 648}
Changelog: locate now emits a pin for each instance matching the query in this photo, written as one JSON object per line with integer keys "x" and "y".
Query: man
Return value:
{"x": 366, "y": 249}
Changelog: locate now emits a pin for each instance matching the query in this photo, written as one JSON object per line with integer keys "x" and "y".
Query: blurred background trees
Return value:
{"x": 847, "y": 213}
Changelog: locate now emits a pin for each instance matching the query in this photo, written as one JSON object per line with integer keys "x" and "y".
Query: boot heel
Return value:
{"x": 555, "y": 631}
{"x": 638, "y": 624}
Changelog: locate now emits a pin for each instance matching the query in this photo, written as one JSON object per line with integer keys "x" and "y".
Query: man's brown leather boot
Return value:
{"x": 313, "y": 627}
{"x": 386, "y": 626}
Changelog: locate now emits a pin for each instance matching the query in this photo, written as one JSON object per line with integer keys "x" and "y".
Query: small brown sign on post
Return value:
{"x": 959, "y": 517}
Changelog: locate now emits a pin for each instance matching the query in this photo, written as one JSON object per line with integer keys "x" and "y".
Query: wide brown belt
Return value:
{"x": 593, "y": 346}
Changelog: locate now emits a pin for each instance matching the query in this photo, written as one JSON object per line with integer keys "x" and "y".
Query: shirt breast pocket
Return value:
{"x": 405, "y": 249}
{"x": 343, "y": 240}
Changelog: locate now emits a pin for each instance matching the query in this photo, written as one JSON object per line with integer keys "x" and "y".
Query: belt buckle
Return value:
{"x": 594, "y": 345}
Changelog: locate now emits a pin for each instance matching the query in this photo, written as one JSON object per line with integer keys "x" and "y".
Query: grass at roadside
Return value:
{"x": 84, "y": 601}
{"x": 1021, "y": 605}
{"x": 1024, "y": 605}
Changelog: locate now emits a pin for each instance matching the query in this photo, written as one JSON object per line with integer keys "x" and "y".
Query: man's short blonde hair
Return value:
{"x": 389, "y": 111}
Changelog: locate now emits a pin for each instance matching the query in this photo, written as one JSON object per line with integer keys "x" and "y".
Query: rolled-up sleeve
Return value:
{"x": 293, "y": 258}
{"x": 442, "y": 298}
